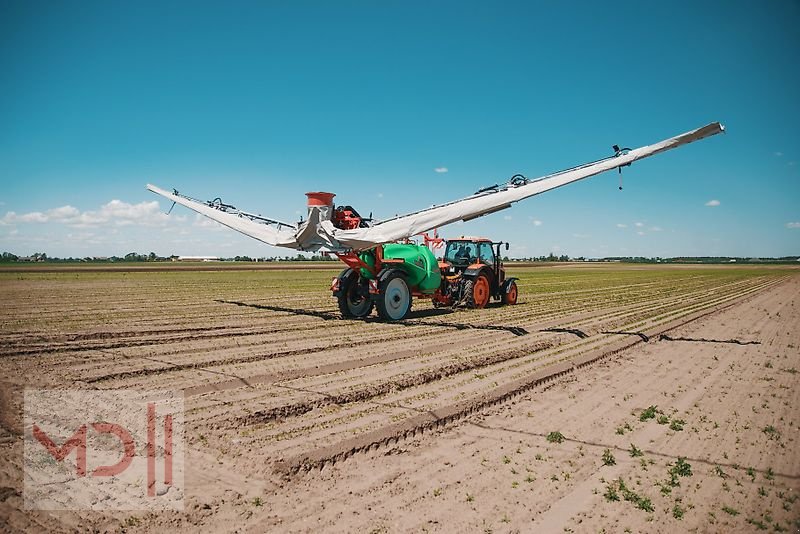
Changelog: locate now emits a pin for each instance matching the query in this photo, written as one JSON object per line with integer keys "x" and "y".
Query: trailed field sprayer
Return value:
{"x": 385, "y": 271}
{"x": 388, "y": 276}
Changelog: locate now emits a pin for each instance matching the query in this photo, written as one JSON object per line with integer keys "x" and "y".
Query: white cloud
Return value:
{"x": 779, "y": 154}
{"x": 620, "y": 225}
{"x": 380, "y": 195}
{"x": 33, "y": 217}
{"x": 638, "y": 224}
{"x": 440, "y": 169}
{"x": 656, "y": 229}
{"x": 793, "y": 225}
{"x": 116, "y": 212}
{"x": 507, "y": 217}
{"x": 713, "y": 203}
{"x": 581, "y": 236}
{"x": 537, "y": 222}
{"x": 640, "y": 233}
{"x": 64, "y": 212}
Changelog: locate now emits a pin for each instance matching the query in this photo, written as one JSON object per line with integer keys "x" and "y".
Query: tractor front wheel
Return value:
{"x": 510, "y": 295}
{"x": 354, "y": 300}
{"x": 394, "y": 300}
{"x": 477, "y": 291}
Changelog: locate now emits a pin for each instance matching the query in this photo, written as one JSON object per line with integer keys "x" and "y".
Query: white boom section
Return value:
{"x": 481, "y": 204}
{"x": 266, "y": 230}
{"x": 315, "y": 234}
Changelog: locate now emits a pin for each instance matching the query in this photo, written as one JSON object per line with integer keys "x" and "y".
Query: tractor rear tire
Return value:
{"x": 394, "y": 300}
{"x": 354, "y": 301}
{"x": 477, "y": 291}
{"x": 510, "y": 294}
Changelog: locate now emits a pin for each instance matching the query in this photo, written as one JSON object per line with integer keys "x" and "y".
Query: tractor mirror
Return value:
{"x": 506, "y": 246}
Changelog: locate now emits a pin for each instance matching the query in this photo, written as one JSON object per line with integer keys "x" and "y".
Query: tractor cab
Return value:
{"x": 463, "y": 252}
{"x": 473, "y": 274}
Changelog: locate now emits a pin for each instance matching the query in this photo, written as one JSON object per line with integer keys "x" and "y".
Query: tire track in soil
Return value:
{"x": 370, "y": 391}
{"x": 202, "y": 333}
{"x": 446, "y": 415}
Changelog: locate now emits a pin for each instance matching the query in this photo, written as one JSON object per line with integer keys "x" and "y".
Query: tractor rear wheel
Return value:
{"x": 354, "y": 300}
{"x": 510, "y": 295}
{"x": 477, "y": 291}
{"x": 394, "y": 299}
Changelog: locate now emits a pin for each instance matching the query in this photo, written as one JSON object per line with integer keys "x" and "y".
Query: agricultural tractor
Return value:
{"x": 388, "y": 276}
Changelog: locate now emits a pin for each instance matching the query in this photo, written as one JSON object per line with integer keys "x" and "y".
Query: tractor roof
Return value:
{"x": 472, "y": 239}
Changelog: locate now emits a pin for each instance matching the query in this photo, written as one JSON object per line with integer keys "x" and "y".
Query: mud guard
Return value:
{"x": 344, "y": 275}
{"x": 507, "y": 283}
{"x": 474, "y": 270}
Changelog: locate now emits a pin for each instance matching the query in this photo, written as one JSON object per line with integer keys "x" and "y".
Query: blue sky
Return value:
{"x": 260, "y": 102}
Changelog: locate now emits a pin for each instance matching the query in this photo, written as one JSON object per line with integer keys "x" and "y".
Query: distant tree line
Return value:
{"x": 8, "y": 257}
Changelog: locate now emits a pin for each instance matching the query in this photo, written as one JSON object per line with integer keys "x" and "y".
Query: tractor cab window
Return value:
{"x": 460, "y": 252}
{"x": 487, "y": 254}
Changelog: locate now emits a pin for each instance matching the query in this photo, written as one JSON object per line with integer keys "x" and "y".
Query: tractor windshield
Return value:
{"x": 461, "y": 252}
{"x": 487, "y": 254}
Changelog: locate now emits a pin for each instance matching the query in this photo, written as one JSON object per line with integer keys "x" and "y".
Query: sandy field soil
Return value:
{"x": 609, "y": 399}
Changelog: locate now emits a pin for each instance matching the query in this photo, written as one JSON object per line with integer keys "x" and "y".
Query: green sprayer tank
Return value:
{"x": 419, "y": 263}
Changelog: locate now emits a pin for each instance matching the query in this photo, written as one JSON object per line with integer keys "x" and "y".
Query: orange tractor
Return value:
{"x": 473, "y": 273}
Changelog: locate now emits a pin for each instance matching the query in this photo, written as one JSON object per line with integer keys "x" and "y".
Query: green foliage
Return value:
{"x": 617, "y": 487}
{"x": 648, "y": 413}
{"x": 635, "y": 451}
{"x": 681, "y": 468}
{"x": 772, "y": 432}
{"x": 608, "y": 458}
{"x": 677, "y": 425}
{"x": 621, "y": 430}
{"x": 729, "y": 510}
{"x": 555, "y": 437}
{"x": 611, "y": 492}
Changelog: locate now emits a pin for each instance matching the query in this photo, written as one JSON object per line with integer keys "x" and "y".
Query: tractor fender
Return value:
{"x": 507, "y": 284}
{"x": 475, "y": 269}
{"x": 344, "y": 275}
